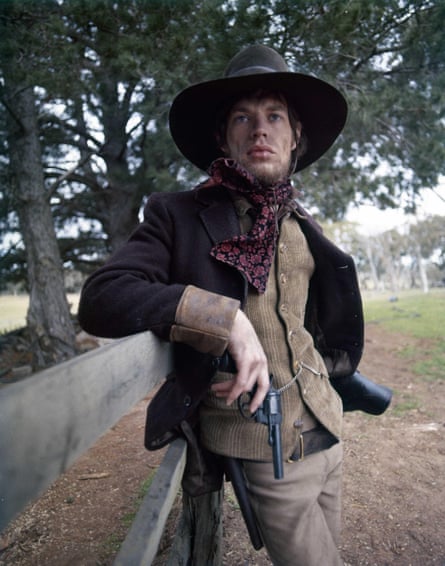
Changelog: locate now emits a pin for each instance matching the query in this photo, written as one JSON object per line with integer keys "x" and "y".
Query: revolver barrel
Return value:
{"x": 270, "y": 414}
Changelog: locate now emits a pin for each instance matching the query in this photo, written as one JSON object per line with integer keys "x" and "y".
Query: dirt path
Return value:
{"x": 394, "y": 485}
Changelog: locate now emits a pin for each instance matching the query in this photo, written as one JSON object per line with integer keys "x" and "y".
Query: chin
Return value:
{"x": 268, "y": 176}
{"x": 267, "y": 173}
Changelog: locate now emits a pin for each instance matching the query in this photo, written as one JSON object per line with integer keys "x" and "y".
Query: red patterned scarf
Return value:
{"x": 251, "y": 253}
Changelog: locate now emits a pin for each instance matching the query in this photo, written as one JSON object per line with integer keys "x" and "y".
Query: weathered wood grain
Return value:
{"x": 51, "y": 418}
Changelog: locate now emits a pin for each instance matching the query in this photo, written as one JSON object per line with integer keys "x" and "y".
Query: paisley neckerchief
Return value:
{"x": 251, "y": 253}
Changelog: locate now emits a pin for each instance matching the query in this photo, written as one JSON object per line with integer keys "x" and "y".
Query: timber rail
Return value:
{"x": 49, "y": 420}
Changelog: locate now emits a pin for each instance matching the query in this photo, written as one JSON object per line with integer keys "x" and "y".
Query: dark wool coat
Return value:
{"x": 139, "y": 289}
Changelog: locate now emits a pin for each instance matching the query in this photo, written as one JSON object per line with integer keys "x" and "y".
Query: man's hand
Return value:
{"x": 251, "y": 363}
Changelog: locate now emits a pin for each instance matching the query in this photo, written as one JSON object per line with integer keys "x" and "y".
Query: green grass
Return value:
{"x": 414, "y": 313}
{"x": 419, "y": 315}
{"x": 405, "y": 404}
{"x": 128, "y": 518}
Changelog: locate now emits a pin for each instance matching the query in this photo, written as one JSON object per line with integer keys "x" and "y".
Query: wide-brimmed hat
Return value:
{"x": 321, "y": 108}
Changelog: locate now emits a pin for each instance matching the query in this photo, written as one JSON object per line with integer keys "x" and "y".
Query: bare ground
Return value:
{"x": 394, "y": 484}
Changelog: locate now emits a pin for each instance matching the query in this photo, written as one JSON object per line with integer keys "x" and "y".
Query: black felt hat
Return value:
{"x": 321, "y": 108}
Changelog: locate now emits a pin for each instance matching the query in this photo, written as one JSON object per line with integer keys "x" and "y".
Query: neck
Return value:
{"x": 230, "y": 173}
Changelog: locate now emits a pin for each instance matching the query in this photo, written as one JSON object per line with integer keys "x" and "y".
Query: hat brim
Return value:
{"x": 321, "y": 107}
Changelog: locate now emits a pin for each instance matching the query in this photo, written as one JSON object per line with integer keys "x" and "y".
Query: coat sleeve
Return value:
{"x": 132, "y": 292}
{"x": 137, "y": 291}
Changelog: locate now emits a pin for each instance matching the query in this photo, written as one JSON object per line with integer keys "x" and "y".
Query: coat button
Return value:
{"x": 187, "y": 401}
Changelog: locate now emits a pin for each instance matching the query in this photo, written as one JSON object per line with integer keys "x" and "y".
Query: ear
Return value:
{"x": 297, "y": 135}
{"x": 220, "y": 142}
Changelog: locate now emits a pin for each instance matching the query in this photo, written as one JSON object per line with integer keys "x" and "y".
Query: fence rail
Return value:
{"x": 50, "y": 419}
{"x": 142, "y": 542}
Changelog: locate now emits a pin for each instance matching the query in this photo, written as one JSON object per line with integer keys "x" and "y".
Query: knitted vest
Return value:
{"x": 278, "y": 317}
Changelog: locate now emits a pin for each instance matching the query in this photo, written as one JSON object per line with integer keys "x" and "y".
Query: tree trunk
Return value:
{"x": 48, "y": 317}
{"x": 117, "y": 203}
{"x": 199, "y": 534}
{"x": 422, "y": 271}
{"x": 120, "y": 197}
{"x": 372, "y": 266}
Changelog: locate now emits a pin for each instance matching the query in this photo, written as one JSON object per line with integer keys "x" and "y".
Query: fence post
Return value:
{"x": 198, "y": 537}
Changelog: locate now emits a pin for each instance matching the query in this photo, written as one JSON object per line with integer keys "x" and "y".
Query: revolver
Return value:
{"x": 269, "y": 414}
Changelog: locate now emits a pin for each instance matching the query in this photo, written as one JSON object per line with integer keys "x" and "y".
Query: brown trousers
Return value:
{"x": 300, "y": 515}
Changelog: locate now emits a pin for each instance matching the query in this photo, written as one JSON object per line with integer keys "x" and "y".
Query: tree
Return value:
{"x": 372, "y": 51}
{"x": 398, "y": 258}
{"x": 114, "y": 119}
{"x": 388, "y": 57}
{"x": 112, "y": 69}
{"x": 48, "y": 317}
{"x": 426, "y": 244}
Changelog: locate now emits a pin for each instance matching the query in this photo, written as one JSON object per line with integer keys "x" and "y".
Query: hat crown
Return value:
{"x": 256, "y": 59}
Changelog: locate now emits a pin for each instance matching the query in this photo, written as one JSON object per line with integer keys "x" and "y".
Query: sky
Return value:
{"x": 373, "y": 221}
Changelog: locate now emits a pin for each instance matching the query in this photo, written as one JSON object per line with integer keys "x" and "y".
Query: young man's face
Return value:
{"x": 259, "y": 136}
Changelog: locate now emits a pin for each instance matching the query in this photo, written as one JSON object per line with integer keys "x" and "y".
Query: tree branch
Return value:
{"x": 54, "y": 186}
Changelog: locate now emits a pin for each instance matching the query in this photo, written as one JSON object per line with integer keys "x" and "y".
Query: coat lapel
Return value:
{"x": 218, "y": 217}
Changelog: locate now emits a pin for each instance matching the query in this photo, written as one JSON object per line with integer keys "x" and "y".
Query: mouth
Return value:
{"x": 260, "y": 151}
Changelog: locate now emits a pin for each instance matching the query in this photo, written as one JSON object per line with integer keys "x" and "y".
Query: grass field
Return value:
{"x": 419, "y": 314}
{"x": 415, "y": 314}
{"x": 13, "y": 310}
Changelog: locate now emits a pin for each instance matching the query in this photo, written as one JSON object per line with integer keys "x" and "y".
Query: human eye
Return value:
{"x": 240, "y": 118}
{"x": 275, "y": 116}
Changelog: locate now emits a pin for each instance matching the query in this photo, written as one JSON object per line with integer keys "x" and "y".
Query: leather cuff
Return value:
{"x": 204, "y": 320}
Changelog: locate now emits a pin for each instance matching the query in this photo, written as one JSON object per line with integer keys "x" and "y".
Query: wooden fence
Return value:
{"x": 50, "y": 419}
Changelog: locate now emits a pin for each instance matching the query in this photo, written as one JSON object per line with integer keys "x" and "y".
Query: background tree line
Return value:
{"x": 407, "y": 257}
{"x": 85, "y": 89}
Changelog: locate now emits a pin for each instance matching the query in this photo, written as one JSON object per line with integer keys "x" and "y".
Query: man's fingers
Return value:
{"x": 260, "y": 394}
{"x": 251, "y": 363}
{"x": 244, "y": 382}
{"x": 222, "y": 388}
{"x": 240, "y": 384}
{"x": 232, "y": 389}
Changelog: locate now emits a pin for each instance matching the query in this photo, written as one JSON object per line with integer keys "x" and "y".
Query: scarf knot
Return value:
{"x": 251, "y": 253}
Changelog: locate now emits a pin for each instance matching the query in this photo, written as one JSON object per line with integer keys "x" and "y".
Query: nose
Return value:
{"x": 259, "y": 127}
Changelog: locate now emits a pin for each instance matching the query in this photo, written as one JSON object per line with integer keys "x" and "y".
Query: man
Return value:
{"x": 237, "y": 267}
